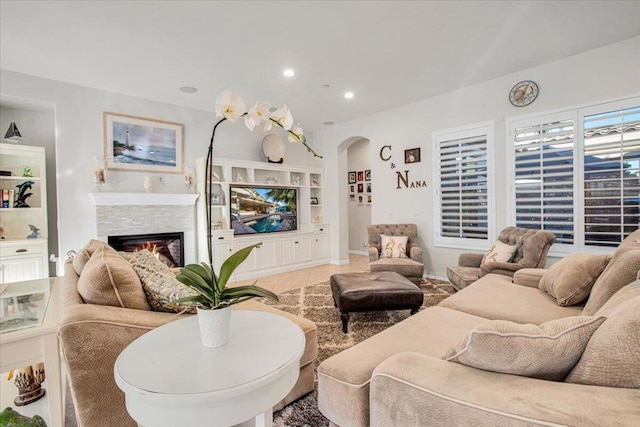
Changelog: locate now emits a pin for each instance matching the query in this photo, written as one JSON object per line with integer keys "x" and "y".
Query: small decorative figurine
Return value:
{"x": 26, "y": 172}
{"x": 35, "y": 232}
{"x": 22, "y": 195}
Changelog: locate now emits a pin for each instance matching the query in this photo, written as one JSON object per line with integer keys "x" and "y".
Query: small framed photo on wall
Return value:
{"x": 360, "y": 200}
{"x": 412, "y": 155}
{"x": 360, "y": 176}
{"x": 361, "y": 188}
{"x": 368, "y": 199}
{"x": 367, "y": 175}
{"x": 352, "y": 188}
{"x": 352, "y": 197}
{"x": 352, "y": 177}
{"x": 368, "y": 187}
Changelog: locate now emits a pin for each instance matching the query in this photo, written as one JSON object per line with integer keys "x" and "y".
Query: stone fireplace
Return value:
{"x": 134, "y": 214}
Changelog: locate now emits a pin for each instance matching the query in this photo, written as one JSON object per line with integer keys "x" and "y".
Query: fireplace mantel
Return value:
{"x": 143, "y": 199}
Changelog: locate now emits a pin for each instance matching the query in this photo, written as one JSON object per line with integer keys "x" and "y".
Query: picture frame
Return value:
{"x": 360, "y": 200}
{"x": 352, "y": 188}
{"x": 368, "y": 199}
{"x": 368, "y": 187}
{"x": 314, "y": 201}
{"x": 360, "y": 176}
{"x": 412, "y": 155}
{"x": 367, "y": 175}
{"x": 361, "y": 188}
{"x": 142, "y": 144}
{"x": 352, "y": 177}
{"x": 352, "y": 197}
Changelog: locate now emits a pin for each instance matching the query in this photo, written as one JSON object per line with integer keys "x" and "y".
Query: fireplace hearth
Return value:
{"x": 168, "y": 247}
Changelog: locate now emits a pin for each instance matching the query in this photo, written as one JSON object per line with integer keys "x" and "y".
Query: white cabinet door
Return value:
{"x": 266, "y": 253}
{"x": 294, "y": 250}
{"x": 320, "y": 246}
{"x": 21, "y": 268}
{"x": 221, "y": 252}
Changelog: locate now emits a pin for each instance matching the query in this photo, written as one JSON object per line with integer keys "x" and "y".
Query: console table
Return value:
{"x": 169, "y": 378}
{"x": 30, "y": 312}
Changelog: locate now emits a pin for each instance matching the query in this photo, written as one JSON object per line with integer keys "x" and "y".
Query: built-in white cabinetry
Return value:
{"x": 280, "y": 251}
{"x": 23, "y": 258}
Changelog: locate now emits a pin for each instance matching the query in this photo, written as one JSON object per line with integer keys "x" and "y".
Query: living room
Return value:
{"x": 437, "y": 88}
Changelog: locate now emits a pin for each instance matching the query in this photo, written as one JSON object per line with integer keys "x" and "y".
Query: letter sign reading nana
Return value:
{"x": 403, "y": 180}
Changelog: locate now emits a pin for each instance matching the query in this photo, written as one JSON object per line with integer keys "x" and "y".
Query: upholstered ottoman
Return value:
{"x": 354, "y": 292}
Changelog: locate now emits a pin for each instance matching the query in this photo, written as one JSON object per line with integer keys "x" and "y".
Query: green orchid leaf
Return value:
{"x": 194, "y": 281}
{"x": 200, "y": 271}
{"x": 195, "y": 298}
{"x": 246, "y": 291}
{"x": 231, "y": 263}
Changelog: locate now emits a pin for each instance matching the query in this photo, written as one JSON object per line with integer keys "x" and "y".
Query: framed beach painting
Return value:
{"x": 142, "y": 144}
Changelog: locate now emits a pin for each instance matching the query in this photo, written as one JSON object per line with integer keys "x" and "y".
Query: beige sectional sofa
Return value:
{"x": 93, "y": 335}
{"x": 399, "y": 377}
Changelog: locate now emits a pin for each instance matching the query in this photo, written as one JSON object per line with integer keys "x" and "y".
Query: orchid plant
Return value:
{"x": 211, "y": 288}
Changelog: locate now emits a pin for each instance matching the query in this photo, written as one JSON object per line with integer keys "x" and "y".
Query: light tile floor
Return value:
{"x": 279, "y": 283}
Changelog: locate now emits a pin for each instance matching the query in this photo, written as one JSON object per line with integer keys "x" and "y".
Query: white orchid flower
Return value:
{"x": 230, "y": 106}
{"x": 257, "y": 114}
{"x": 283, "y": 117}
{"x": 296, "y": 134}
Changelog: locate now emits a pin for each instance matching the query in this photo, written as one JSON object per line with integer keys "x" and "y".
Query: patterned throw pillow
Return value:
{"x": 500, "y": 252}
{"x": 547, "y": 352}
{"x": 160, "y": 283}
{"x": 394, "y": 246}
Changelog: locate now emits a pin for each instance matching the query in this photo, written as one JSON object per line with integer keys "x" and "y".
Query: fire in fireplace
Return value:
{"x": 168, "y": 247}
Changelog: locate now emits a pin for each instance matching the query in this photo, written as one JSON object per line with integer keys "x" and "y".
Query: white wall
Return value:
{"x": 79, "y": 136}
{"x": 599, "y": 75}
{"x": 38, "y": 129}
{"x": 358, "y": 159}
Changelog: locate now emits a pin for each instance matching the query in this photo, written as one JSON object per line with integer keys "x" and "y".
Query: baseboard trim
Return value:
{"x": 429, "y": 276}
{"x": 339, "y": 262}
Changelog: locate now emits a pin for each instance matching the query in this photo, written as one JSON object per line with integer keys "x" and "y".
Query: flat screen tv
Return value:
{"x": 259, "y": 210}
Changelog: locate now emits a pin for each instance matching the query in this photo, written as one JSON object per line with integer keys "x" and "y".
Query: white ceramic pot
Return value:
{"x": 214, "y": 326}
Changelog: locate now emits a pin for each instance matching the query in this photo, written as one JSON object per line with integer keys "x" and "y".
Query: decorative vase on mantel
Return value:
{"x": 214, "y": 326}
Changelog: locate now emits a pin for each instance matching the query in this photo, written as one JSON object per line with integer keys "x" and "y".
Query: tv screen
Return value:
{"x": 257, "y": 210}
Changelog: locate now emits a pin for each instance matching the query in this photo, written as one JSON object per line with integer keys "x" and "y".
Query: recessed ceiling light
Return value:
{"x": 349, "y": 95}
{"x": 288, "y": 72}
{"x": 188, "y": 89}
{"x": 328, "y": 123}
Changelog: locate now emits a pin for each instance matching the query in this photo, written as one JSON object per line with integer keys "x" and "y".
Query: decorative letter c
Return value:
{"x": 382, "y": 154}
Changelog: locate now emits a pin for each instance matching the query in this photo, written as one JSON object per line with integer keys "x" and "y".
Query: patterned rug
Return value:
{"x": 315, "y": 303}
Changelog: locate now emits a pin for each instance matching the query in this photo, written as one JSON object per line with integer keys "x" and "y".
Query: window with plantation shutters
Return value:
{"x": 463, "y": 205}
{"x": 544, "y": 176}
{"x": 611, "y": 156}
{"x": 577, "y": 174}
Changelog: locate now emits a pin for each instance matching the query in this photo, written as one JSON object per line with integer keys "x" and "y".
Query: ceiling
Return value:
{"x": 389, "y": 53}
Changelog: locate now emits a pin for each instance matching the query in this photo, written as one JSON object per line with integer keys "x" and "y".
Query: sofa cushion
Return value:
{"x": 625, "y": 294}
{"x": 108, "y": 279}
{"x": 393, "y": 246}
{"x": 500, "y": 252}
{"x": 494, "y": 297}
{"x": 403, "y": 266}
{"x": 570, "y": 280}
{"x": 612, "y": 356}
{"x": 343, "y": 379}
{"x": 621, "y": 270}
{"x": 548, "y": 351}
{"x": 461, "y": 277}
{"x": 82, "y": 258}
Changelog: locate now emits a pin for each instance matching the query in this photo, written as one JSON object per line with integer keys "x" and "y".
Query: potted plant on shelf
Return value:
{"x": 214, "y": 299}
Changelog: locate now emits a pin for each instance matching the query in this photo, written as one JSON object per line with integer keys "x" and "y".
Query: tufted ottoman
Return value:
{"x": 375, "y": 291}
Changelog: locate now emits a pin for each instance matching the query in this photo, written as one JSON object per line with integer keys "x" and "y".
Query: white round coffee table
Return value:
{"x": 170, "y": 379}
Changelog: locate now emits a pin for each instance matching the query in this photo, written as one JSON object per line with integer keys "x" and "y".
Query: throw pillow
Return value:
{"x": 612, "y": 357}
{"x": 621, "y": 270}
{"x": 500, "y": 252}
{"x": 160, "y": 283}
{"x": 548, "y": 351}
{"x": 570, "y": 280}
{"x": 144, "y": 259}
{"x": 82, "y": 258}
{"x": 108, "y": 279}
{"x": 394, "y": 246}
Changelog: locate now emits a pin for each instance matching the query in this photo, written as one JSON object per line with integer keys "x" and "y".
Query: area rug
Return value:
{"x": 315, "y": 303}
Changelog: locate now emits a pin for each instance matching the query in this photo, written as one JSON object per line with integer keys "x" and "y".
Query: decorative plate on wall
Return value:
{"x": 273, "y": 148}
{"x": 523, "y": 93}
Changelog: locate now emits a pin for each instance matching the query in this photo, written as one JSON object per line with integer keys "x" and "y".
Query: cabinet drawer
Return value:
{"x": 321, "y": 228}
{"x": 19, "y": 249}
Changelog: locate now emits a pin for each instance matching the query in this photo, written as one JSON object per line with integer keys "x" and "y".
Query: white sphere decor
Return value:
{"x": 273, "y": 147}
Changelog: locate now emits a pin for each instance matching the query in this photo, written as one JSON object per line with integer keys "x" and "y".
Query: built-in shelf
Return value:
{"x": 143, "y": 199}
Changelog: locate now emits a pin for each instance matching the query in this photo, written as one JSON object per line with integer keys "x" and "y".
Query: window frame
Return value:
{"x": 483, "y": 129}
{"x": 577, "y": 114}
